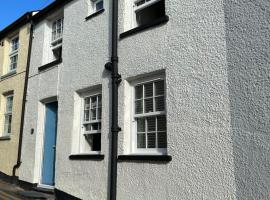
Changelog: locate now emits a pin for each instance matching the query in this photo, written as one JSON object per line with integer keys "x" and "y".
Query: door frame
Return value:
{"x": 41, "y": 131}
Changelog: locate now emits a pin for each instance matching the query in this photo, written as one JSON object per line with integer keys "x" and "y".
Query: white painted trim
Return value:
{"x": 39, "y": 143}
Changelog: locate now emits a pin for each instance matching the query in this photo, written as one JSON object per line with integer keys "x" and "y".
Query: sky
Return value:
{"x": 11, "y": 10}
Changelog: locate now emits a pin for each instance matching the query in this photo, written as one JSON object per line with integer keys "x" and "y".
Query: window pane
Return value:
{"x": 86, "y": 115}
{"x": 86, "y": 103}
{"x": 160, "y": 103}
{"x": 99, "y": 101}
{"x": 94, "y": 141}
{"x": 99, "y": 113}
{"x": 95, "y": 127}
{"x": 87, "y": 127}
{"x": 159, "y": 88}
{"x": 148, "y": 105}
{"x": 94, "y": 102}
{"x": 139, "y": 107}
{"x": 138, "y": 92}
{"x": 151, "y": 140}
{"x": 161, "y": 123}
{"x": 148, "y": 90}
{"x": 7, "y": 128}
{"x": 141, "y": 141}
{"x": 93, "y": 114}
{"x": 151, "y": 124}
{"x": 14, "y": 44}
{"x": 99, "y": 5}
{"x": 141, "y": 125}
{"x": 162, "y": 140}
{"x": 9, "y": 104}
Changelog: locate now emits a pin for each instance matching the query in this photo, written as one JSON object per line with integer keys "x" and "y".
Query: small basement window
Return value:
{"x": 147, "y": 11}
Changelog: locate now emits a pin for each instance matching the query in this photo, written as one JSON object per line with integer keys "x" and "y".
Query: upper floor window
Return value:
{"x": 8, "y": 115}
{"x": 14, "y": 44}
{"x": 150, "y": 131}
{"x": 57, "y": 30}
{"x": 96, "y": 5}
{"x": 13, "y": 56}
{"x": 147, "y": 11}
{"x": 57, "y": 34}
{"x": 91, "y": 123}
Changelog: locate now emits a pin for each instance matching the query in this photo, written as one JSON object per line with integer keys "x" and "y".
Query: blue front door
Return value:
{"x": 48, "y": 165}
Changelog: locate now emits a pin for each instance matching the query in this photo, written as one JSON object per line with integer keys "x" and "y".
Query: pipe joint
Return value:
{"x": 117, "y": 78}
{"x": 115, "y": 59}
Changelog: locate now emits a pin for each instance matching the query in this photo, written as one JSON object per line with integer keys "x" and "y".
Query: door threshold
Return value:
{"x": 45, "y": 188}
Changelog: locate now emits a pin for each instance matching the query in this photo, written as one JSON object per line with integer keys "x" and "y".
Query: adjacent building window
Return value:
{"x": 147, "y": 11}
{"x": 96, "y": 5}
{"x": 8, "y": 115}
{"x": 57, "y": 33}
{"x": 13, "y": 56}
{"x": 91, "y": 124}
{"x": 150, "y": 117}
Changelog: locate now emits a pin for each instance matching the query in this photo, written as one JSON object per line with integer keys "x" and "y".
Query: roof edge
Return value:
{"x": 24, "y": 19}
{"x": 50, "y": 8}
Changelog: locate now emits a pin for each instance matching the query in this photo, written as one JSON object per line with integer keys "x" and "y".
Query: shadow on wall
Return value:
{"x": 248, "y": 55}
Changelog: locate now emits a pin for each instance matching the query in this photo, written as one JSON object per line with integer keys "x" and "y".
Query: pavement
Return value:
{"x": 12, "y": 192}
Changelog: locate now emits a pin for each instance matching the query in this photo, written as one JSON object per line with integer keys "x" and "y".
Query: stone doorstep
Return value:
{"x": 24, "y": 194}
{"x": 31, "y": 195}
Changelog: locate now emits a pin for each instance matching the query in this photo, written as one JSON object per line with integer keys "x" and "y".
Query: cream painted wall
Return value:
{"x": 15, "y": 83}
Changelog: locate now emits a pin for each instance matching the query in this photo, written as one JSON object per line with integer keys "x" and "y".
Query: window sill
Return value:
{"x": 86, "y": 157}
{"x": 4, "y": 138}
{"x": 95, "y": 14}
{"x": 155, "y": 158}
{"x": 11, "y": 73}
{"x": 141, "y": 28}
{"x": 49, "y": 65}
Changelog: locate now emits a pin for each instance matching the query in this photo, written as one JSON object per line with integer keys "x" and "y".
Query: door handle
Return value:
{"x": 54, "y": 147}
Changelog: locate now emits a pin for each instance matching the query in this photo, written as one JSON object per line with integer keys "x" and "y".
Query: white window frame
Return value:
{"x": 93, "y": 4}
{"x": 8, "y": 114}
{"x": 134, "y": 149}
{"x": 13, "y": 54}
{"x": 56, "y": 40}
{"x": 82, "y": 122}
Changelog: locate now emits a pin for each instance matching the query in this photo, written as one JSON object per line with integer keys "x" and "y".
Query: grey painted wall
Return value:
{"x": 247, "y": 36}
{"x": 191, "y": 48}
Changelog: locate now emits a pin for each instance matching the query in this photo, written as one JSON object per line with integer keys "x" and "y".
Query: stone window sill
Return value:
{"x": 9, "y": 74}
{"x": 4, "y": 138}
{"x": 49, "y": 65}
{"x": 154, "y": 158}
{"x": 94, "y": 14}
{"x": 144, "y": 27}
{"x": 86, "y": 157}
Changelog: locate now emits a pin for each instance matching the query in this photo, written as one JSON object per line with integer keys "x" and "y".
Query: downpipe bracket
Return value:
{"x": 116, "y": 130}
{"x": 109, "y": 66}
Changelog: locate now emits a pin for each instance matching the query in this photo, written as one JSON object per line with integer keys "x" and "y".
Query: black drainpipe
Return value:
{"x": 18, "y": 164}
{"x": 116, "y": 79}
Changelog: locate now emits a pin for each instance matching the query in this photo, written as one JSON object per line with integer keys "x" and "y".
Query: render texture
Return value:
{"x": 214, "y": 57}
{"x": 13, "y": 82}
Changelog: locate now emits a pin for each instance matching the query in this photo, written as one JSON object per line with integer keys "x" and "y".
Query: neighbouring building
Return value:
{"x": 14, "y": 45}
{"x": 193, "y": 101}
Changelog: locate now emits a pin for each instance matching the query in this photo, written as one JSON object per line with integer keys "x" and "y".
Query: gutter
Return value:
{"x": 18, "y": 164}
{"x": 116, "y": 79}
